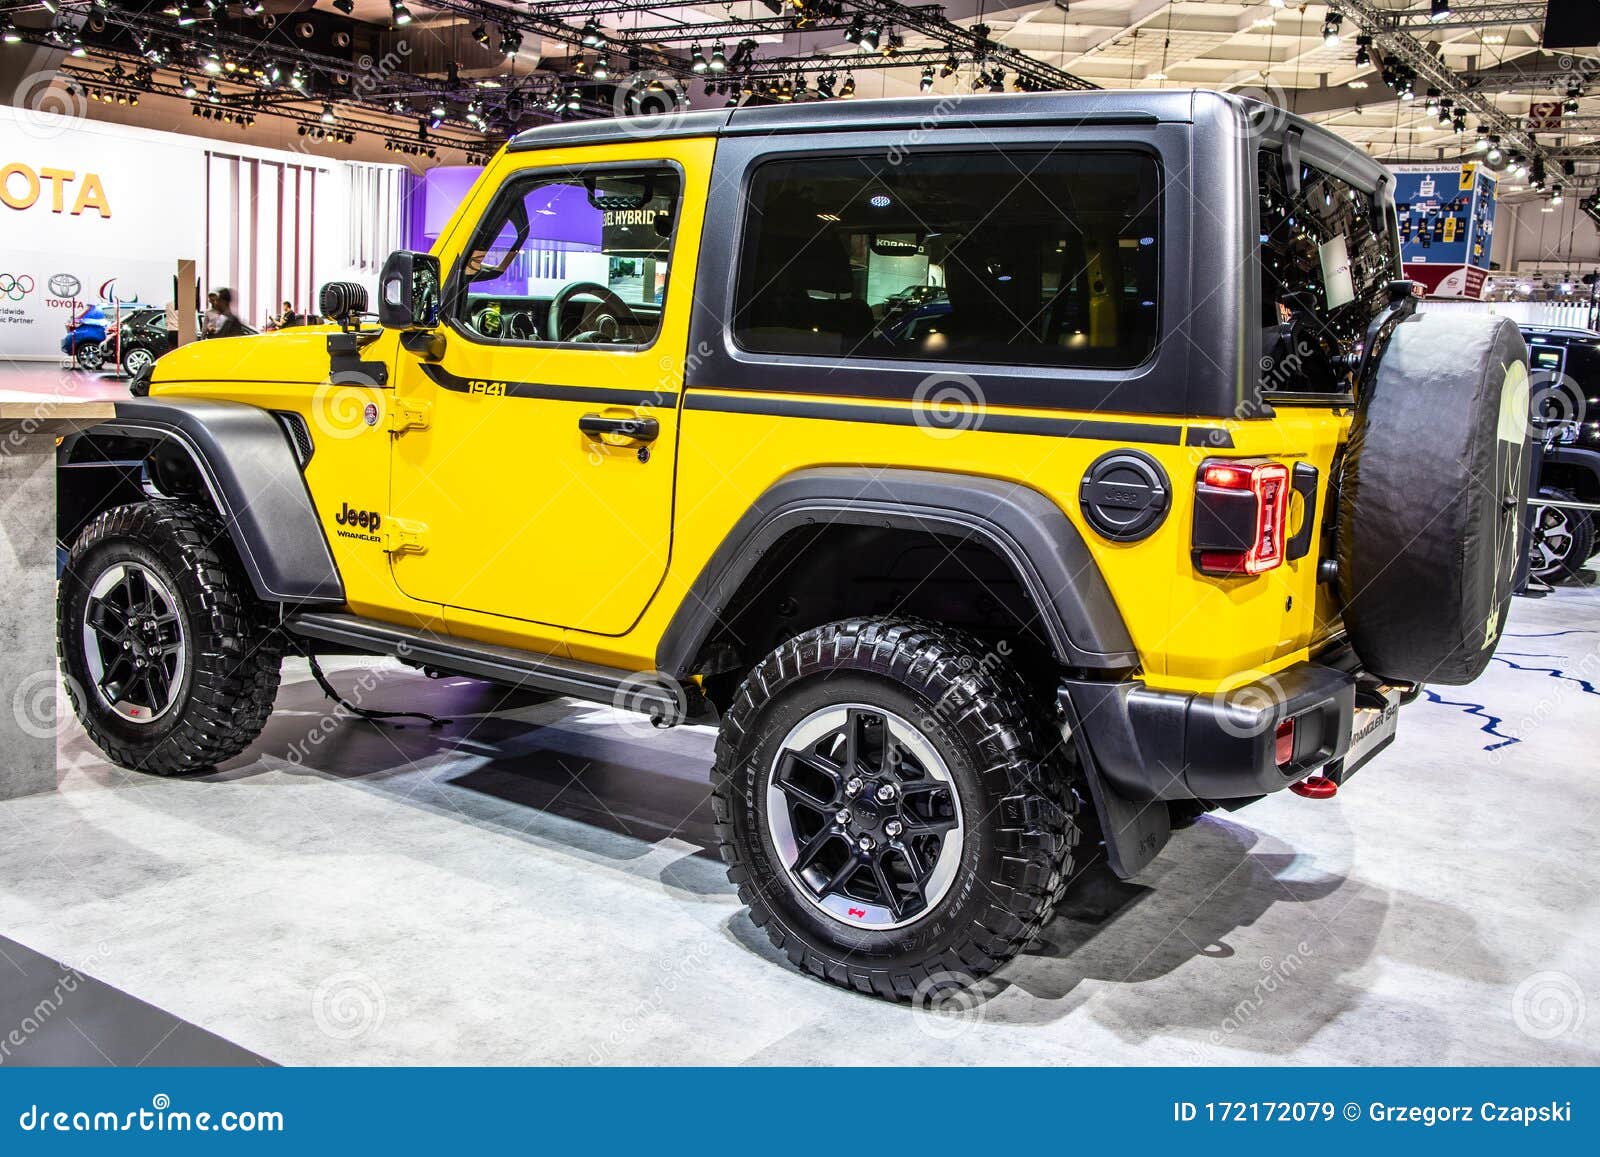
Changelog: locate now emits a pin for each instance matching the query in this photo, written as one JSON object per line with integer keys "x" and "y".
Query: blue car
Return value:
{"x": 85, "y": 335}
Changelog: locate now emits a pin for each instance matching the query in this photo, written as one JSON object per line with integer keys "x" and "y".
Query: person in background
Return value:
{"x": 172, "y": 325}
{"x": 228, "y": 323}
{"x": 209, "y": 323}
{"x": 285, "y": 317}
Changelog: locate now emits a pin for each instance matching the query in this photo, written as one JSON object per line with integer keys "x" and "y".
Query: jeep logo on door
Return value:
{"x": 360, "y": 524}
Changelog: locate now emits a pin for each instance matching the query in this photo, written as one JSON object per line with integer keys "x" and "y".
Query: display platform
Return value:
{"x": 532, "y": 884}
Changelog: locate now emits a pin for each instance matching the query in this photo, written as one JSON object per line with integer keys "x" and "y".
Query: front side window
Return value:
{"x": 1004, "y": 258}
{"x": 573, "y": 259}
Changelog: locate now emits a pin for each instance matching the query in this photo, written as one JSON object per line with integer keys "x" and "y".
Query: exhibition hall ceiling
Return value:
{"x": 1406, "y": 79}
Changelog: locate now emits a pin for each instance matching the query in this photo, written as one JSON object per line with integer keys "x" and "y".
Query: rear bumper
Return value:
{"x": 1167, "y": 745}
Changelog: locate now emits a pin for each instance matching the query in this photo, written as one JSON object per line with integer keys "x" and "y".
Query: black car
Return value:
{"x": 1565, "y": 364}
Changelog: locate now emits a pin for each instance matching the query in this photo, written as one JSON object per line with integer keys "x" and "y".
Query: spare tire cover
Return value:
{"x": 1430, "y": 504}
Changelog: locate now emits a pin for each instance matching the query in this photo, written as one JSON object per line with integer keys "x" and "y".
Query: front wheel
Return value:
{"x": 170, "y": 661}
{"x": 1562, "y": 539}
{"x": 890, "y": 808}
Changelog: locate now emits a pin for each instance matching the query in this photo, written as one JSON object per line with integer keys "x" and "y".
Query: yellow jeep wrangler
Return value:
{"x": 1008, "y": 479}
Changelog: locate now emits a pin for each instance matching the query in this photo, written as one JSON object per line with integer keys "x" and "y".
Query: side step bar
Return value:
{"x": 665, "y": 702}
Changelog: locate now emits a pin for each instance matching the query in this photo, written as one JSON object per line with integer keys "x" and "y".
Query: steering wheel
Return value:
{"x": 612, "y": 309}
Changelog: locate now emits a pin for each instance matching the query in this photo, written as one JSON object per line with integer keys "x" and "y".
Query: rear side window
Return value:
{"x": 1326, "y": 261}
{"x": 1001, "y": 258}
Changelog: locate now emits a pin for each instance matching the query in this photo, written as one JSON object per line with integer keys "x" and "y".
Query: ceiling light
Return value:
{"x": 1330, "y": 28}
{"x": 848, "y": 89}
{"x": 327, "y": 113}
{"x": 927, "y": 79}
{"x": 869, "y": 39}
{"x": 601, "y": 72}
{"x": 399, "y": 14}
{"x": 697, "y": 59}
{"x": 510, "y": 42}
{"x": 719, "y": 62}
{"x": 345, "y": 6}
{"x": 1441, "y": 9}
{"x": 592, "y": 36}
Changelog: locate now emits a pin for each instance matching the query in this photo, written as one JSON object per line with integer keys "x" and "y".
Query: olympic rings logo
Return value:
{"x": 15, "y": 286}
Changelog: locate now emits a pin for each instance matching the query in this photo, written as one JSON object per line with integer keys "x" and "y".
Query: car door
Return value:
{"x": 534, "y": 451}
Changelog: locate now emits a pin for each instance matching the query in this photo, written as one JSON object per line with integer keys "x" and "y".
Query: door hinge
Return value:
{"x": 404, "y": 537}
{"x": 405, "y": 416}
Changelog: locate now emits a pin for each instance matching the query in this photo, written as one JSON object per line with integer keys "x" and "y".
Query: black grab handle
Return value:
{"x": 639, "y": 429}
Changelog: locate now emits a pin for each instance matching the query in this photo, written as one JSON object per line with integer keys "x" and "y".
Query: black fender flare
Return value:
{"x": 1029, "y": 531}
{"x": 243, "y": 455}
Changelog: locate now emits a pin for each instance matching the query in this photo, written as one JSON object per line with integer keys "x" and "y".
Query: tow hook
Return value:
{"x": 1315, "y": 787}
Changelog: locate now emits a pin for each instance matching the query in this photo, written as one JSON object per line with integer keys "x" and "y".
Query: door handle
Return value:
{"x": 638, "y": 428}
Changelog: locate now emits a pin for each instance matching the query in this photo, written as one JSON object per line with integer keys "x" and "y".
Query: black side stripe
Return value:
{"x": 448, "y": 381}
{"x": 1213, "y": 436}
{"x": 905, "y": 416}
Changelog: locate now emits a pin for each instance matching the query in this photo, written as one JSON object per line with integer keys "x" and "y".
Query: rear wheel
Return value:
{"x": 89, "y": 356}
{"x": 890, "y": 808}
{"x": 1563, "y": 538}
{"x": 171, "y": 662}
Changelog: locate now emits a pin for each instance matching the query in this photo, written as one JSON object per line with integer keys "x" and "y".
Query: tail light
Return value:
{"x": 1241, "y": 506}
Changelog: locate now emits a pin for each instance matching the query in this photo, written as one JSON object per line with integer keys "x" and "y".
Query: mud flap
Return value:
{"x": 1134, "y": 831}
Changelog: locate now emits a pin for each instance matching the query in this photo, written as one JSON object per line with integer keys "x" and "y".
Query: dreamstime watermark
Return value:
{"x": 330, "y": 721}
{"x": 948, "y": 1005}
{"x": 159, "y": 1117}
{"x": 647, "y": 701}
{"x": 956, "y": 698}
{"x": 342, "y": 409}
{"x": 651, "y": 1004}
{"x": 655, "y": 101}
{"x": 49, "y": 1005}
{"x": 1276, "y": 975}
{"x": 914, "y": 136}
{"x": 1245, "y": 704}
{"x": 46, "y": 105}
{"x": 946, "y": 404}
{"x": 1547, "y": 1005}
{"x": 1572, "y": 681}
{"x": 348, "y": 1006}
{"x": 1266, "y": 114}
{"x": 33, "y": 703}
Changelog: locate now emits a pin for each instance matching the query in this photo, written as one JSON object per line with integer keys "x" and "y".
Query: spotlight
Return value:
{"x": 592, "y": 36}
{"x": 869, "y": 39}
{"x": 481, "y": 35}
{"x": 1432, "y": 102}
{"x": 187, "y": 16}
{"x": 187, "y": 86}
{"x": 8, "y": 31}
{"x": 848, "y": 89}
{"x": 719, "y": 62}
{"x": 399, "y": 14}
{"x": 212, "y": 62}
{"x": 510, "y": 42}
{"x": 574, "y": 101}
{"x": 327, "y": 117}
{"x": 1493, "y": 153}
{"x": 852, "y": 34}
{"x": 1330, "y": 28}
{"x": 601, "y": 71}
{"x": 927, "y": 79}
{"x": 949, "y": 67}
{"x": 345, "y": 6}
{"x": 697, "y": 59}
{"x": 1440, "y": 10}
{"x": 212, "y": 95}
{"x": 438, "y": 109}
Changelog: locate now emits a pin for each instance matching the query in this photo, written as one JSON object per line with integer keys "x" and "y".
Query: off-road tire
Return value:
{"x": 234, "y": 650}
{"x": 1580, "y": 527}
{"x": 1019, "y": 810}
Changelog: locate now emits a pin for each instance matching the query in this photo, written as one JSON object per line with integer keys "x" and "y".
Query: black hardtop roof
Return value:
{"x": 1095, "y": 107}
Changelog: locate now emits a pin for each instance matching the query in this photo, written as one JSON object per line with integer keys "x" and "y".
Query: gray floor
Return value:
{"x": 533, "y": 886}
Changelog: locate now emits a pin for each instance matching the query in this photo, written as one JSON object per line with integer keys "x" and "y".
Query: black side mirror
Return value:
{"x": 408, "y": 291}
